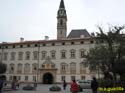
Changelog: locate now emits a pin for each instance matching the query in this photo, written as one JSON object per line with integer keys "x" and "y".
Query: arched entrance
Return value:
{"x": 48, "y": 78}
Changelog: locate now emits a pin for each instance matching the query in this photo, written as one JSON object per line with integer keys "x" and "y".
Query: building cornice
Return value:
{"x": 47, "y": 41}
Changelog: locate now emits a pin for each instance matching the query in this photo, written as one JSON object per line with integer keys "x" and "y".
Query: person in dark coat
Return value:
{"x": 94, "y": 85}
{"x": 64, "y": 84}
{"x": 13, "y": 85}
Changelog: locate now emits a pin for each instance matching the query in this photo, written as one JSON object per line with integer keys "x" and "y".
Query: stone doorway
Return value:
{"x": 48, "y": 78}
{"x": 48, "y": 72}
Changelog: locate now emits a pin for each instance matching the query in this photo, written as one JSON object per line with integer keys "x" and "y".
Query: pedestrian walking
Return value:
{"x": 64, "y": 84}
{"x": 94, "y": 85}
{"x": 13, "y": 85}
{"x": 74, "y": 87}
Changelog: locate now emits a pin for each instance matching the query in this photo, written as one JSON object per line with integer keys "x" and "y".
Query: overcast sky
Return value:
{"x": 34, "y": 19}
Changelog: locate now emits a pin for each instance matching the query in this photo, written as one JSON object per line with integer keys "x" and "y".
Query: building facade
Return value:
{"x": 49, "y": 61}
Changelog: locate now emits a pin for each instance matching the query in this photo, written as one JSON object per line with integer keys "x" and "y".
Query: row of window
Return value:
{"x": 26, "y": 78}
{"x": 72, "y": 78}
{"x": 72, "y": 68}
{"x": 44, "y": 44}
{"x": 27, "y": 54}
{"x": 20, "y": 68}
{"x": 64, "y": 67}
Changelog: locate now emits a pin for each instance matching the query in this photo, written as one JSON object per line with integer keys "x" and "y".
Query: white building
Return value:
{"x": 49, "y": 61}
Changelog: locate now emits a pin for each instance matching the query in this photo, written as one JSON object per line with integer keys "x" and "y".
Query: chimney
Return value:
{"x": 46, "y": 38}
{"x": 21, "y": 39}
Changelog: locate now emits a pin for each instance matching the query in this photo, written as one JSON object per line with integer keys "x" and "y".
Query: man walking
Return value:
{"x": 64, "y": 84}
{"x": 94, "y": 85}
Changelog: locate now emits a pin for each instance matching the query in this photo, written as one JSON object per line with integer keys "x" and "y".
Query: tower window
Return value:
{"x": 61, "y": 22}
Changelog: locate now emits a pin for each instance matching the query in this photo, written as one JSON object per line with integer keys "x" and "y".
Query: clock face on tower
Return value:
{"x": 61, "y": 12}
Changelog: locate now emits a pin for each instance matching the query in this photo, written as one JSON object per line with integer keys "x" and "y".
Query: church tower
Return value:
{"x": 61, "y": 21}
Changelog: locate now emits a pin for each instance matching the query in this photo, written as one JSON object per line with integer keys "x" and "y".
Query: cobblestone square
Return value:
{"x": 45, "y": 89}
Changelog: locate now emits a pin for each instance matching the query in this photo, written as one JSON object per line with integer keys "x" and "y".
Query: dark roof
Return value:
{"x": 62, "y": 4}
{"x": 78, "y": 33}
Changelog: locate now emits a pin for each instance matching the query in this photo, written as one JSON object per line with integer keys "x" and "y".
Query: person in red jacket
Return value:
{"x": 74, "y": 87}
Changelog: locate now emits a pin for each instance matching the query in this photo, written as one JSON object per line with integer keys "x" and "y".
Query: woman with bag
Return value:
{"x": 74, "y": 87}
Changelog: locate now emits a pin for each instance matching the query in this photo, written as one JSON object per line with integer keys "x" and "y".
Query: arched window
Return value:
{"x": 72, "y": 68}
{"x": 63, "y": 68}
{"x": 11, "y": 68}
{"x": 19, "y": 68}
{"x": 26, "y": 68}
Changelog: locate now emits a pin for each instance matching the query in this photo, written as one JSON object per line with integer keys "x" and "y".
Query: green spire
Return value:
{"x": 62, "y": 4}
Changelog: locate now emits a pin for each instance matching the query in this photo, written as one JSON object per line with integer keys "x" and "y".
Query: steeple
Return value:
{"x": 62, "y": 4}
{"x": 61, "y": 21}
